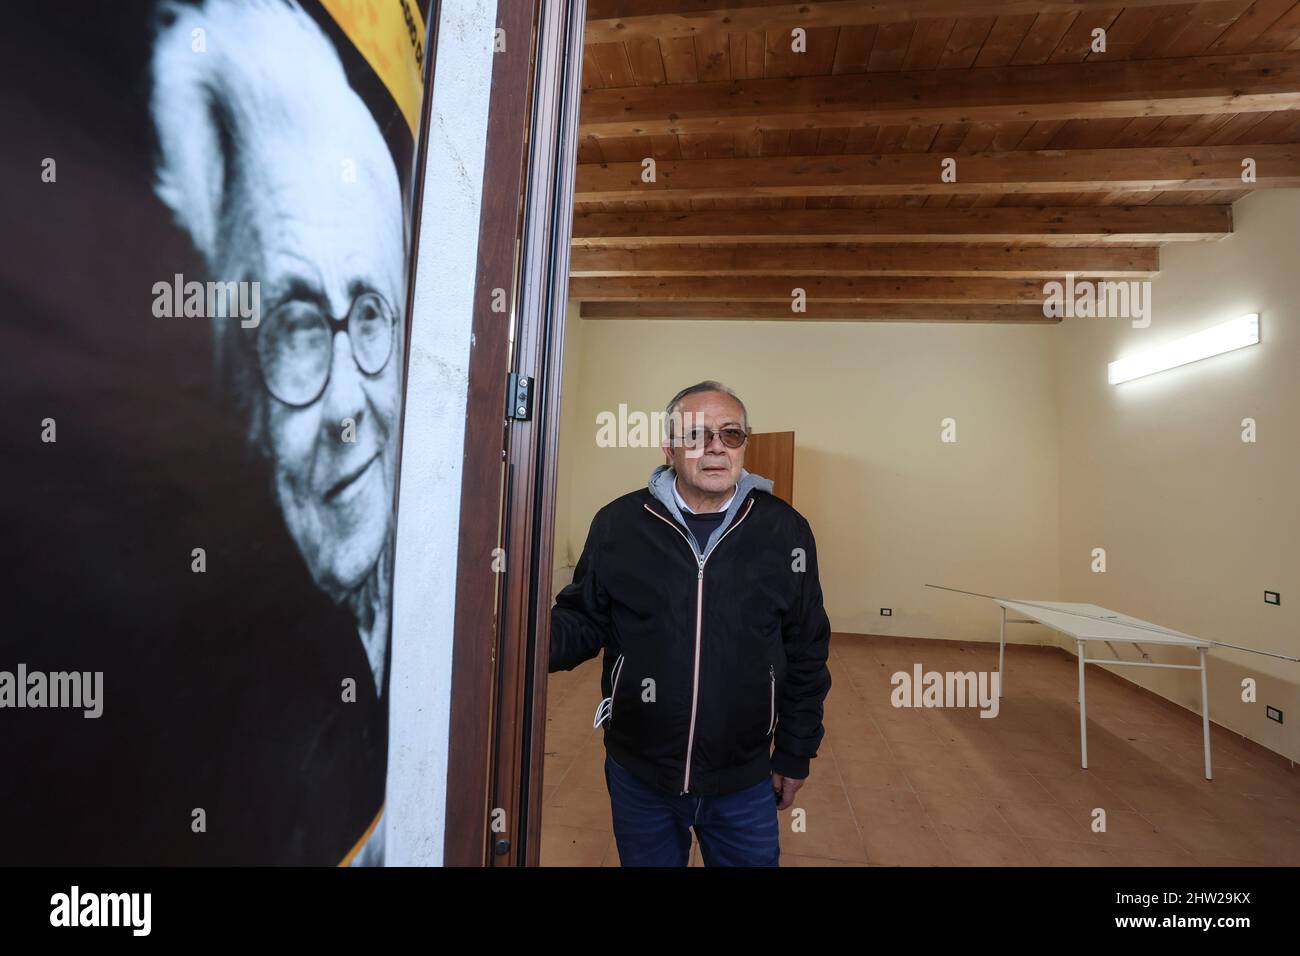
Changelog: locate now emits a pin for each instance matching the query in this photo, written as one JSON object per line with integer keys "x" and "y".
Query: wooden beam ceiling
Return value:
{"x": 1027, "y": 171}
{"x": 988, "y": 259}
{"x": 823, "y": 167}
{"x": 615, "y": 21}
{"x": 1049, "y": 91}
{"x": 1062, "y": 225}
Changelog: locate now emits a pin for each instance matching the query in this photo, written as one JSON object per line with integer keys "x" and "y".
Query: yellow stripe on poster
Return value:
{"x": 356, "y": 847}
{"x": 390, "y": 35}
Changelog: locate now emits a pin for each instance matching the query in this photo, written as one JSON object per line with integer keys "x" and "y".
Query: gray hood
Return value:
{"x": 661, "y": 486}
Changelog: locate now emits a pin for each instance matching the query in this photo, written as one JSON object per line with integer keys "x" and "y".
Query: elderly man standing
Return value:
{"x": 702, "y": 590}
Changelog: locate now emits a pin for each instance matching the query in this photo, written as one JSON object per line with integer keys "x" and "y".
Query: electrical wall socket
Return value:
{"x": 886, "y": 612}
{"x": 1272, "y": 713}
{"x": 1272, "y": 597}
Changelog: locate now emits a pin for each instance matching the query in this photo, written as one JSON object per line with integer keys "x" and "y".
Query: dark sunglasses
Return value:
{"x": 731, "y": 436}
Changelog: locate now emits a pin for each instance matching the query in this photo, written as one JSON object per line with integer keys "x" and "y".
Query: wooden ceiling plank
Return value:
{"x": 747, "y": 53}
{"x": 853, "y": 49}
{"x": 1127, "y": 32}
{"x": 1202, "y": 128}
{"x": 949, "y": 138}
{"x": 679, "y": 61}
{"x": 1282, "y": 35}
{"x": 819, "y": 312}
{"x": 1043, "y": 37}
{"x": 1250, "y": 26}
{"x": 1232, "y": 84}
{"x": 920, "y": 139}
{"x": 928, "y": 43}
{"x": 803, "y": 142}
{"x": 750, "y": 143}
{"x": 1009, "y": 136}
{"x": 822, "y": 44}
{"x": 1004, "y": 39}
{"x": 1204, "y": 24}
{"x": 589, "y": 151}
{"x": 892, "y": 137}
{"x": 591, "y": 79}
{"x": 1136, "y": 132}
{"x": 611, "y": 21}
{"x": 1088, "y": 134}
{"x": 862, "y": 139}
{"x": 814, "y": 55}
{"x": 712, "y": 57}
{"x": 626, "y": 149}
{"x": 1228, "y": 196}
{"x": 965, "y": 42}
{"x": 1237, "y": 125}
{"x": 979, "y": 138}
{"x": 647, "y": 62}
{"x": 988, "y": 259}
{"x": 917, "y": 172}
{"x": 613, "y": 64}
{"x": 1168, "y": 132}
{"x": 890, "y": 49}
{"x": 934, "y": 290}
{"x": 832, "y": 141}
{"x": 1050, "y": 224}
{"x": 1274, "y": 127}
{"x": 1076, "y": 45}
{"x": 1169, "y": 23}
{"x": 1292, "y": 133}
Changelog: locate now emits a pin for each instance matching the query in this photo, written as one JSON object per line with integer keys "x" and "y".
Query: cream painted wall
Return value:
{"x": 1197, "y": 524}
{"x": 570, "y": 532}
{"x": 892, "y": 507}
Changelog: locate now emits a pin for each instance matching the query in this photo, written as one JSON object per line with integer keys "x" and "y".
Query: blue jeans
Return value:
{"x": 653, "y": 828}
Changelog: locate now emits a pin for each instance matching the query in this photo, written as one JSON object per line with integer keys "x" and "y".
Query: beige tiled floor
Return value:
{"x": 945, "y": 787}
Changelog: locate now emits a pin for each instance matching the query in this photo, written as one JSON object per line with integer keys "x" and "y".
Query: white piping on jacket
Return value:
{"x": 771, "y": 724}
{"x": 605, "y": 709}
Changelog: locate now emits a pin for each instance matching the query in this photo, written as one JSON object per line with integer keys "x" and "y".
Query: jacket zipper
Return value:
{"x": 771, "y": 723}
{"x": 699, "y": 626}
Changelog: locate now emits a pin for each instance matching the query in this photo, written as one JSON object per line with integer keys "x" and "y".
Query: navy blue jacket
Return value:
{"x": 714, "y": 664}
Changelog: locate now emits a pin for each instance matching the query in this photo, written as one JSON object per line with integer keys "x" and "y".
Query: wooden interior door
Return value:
{"x": 771, "y": 454}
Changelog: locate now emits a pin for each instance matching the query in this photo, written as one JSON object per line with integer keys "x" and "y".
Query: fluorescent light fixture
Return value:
{"x": 1215, "y": 340}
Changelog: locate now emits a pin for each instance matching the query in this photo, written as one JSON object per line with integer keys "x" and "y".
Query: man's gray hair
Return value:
{"x": 671, "y": 412}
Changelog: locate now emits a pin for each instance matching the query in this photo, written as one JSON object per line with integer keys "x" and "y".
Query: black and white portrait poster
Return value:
{"x": 207, "y": 227}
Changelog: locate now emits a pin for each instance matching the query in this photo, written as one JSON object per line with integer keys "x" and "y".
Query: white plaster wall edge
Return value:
{"x": 433, "y": 439}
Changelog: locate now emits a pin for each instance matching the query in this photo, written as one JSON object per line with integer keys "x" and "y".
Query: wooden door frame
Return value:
{"x": 469, "y": 745}
{"x": 499, "y": 658}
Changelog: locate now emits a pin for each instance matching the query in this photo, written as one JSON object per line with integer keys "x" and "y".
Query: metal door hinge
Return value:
{"x": 519, "y": 397}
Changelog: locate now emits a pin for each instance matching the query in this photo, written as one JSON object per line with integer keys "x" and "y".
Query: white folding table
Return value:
{"x": 1088, "y": 622}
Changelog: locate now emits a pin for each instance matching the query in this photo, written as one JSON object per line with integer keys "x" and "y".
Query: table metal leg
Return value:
{"x": 1205, "y": 714}
{"x": 1002, "y": 652}
{"x": 1083, "y": 709}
